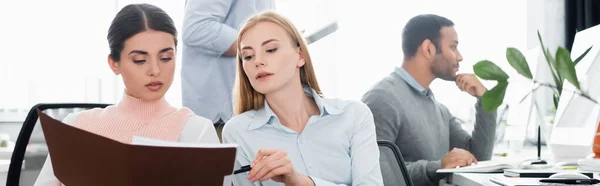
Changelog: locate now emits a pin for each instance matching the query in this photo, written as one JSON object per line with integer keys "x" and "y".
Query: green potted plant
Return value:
{"x": 561, "y": 67}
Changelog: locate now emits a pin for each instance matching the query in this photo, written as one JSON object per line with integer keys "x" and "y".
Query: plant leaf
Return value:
{"x": 489, "y": 71}
{"x": 561, "y": 78}
{"x": 556, "y": 97}
{"x": 551, "y": 62}
{"x": 494, "y": 97}
{"x": 518, "y": 62}
{"x": 544, "y": 50}
{"x": 582, "y": 55}
{"x": 565, "y": 67}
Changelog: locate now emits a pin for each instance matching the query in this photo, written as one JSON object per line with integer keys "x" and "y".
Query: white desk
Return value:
{"x": 483, "y": 179}
{"x": 476, "y": 179}
{"x": 472, "y": 179}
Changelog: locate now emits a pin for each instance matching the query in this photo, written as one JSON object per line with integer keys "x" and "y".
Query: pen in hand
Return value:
{"x": 243, "y": 169}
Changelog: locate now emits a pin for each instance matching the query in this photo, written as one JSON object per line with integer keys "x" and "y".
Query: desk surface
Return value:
{"x": 474, "y": 179}
{"x": 483, "y": 179}
{"x": 477, "y": 179}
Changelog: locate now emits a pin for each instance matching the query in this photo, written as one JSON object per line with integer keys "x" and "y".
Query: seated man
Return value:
{"x": 406, "y": 112}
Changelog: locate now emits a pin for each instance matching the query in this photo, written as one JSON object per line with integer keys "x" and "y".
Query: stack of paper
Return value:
{"x": 481, "y": 167}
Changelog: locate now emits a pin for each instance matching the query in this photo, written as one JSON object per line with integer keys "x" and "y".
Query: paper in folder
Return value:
{"x": 84, "y": 158}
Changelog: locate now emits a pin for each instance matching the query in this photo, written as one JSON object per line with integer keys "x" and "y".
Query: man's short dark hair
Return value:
{"x": 420, "y": 28}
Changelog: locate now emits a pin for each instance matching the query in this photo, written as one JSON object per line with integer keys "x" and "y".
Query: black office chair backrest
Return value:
{"x": 393, "y": 167}
{"x": 31, "y": 146}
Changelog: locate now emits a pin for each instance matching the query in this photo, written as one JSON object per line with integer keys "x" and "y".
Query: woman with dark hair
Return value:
{"x": 142, "y": 40}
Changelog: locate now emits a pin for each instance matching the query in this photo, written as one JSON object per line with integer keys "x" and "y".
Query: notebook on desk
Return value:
{"x": 84, "y": 158}
{"x": 481, "y": 167}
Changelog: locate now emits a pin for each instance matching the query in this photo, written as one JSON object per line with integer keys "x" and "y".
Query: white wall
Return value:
{"x": 366, "y": 47}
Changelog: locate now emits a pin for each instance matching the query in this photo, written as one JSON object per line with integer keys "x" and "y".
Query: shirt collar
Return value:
{"x": 412, "y": 82}
{"x": 265, "y": 115}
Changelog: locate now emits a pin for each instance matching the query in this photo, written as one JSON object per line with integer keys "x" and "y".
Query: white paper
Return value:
{"x": 139, "y": 140}
{"x": 228, "y": 180}
{"x": 482, "y": 166}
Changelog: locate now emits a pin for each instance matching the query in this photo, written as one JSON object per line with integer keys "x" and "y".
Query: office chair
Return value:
{"x": 19, "y": 174}
{"x": 393, "y": 167}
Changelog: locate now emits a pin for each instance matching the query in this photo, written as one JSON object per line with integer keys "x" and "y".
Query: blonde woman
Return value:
{"x": 287, "y": 132}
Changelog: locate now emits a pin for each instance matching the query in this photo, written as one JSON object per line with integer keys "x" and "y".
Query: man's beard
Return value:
{"x": 443, "y": 70}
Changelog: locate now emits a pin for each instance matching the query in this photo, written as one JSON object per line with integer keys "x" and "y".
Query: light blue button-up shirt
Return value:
{"x": 337, "y": 147}
{"x": 412, "y": 82}
{"x": 210, "y": 27}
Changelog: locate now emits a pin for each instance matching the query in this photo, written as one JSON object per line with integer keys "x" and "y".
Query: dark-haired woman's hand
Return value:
{"x": 276, "y": 165}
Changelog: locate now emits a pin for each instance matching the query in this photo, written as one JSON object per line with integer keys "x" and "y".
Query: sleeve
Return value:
{"x": 386, "y": 114}
{"x": 198, "y": 130}
{"x": 46, "y": 176}
{"x": 203, "y": 26}
{"x": 229, "y": 136}
{"x": 364, "y": 151}
{"x": 481, "y": 142}
{"x": 423, "y": 172}
{"x": 388, "y": 117}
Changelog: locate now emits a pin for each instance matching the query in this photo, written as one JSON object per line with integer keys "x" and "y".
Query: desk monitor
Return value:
{"x": 576, "y": 117}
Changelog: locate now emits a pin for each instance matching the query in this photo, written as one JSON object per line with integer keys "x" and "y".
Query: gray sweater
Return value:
{"x": 424, "y": 129}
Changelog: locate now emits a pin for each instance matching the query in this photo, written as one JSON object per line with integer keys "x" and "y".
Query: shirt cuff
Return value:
{"x": 431, "y": 170}
{"x": 479, "y": 108}
{"x": 478, "y": 104}
{"x": 225, "y": 39}
{"x": 319, "y": 182}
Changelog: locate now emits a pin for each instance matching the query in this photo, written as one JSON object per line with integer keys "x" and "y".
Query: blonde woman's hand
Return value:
{"x": 276, "y": 165}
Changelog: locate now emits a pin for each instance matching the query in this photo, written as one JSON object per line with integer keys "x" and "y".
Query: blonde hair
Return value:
{"x": 245, "y": 98}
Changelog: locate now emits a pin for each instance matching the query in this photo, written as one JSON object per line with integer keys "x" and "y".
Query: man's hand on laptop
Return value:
{"x": 458, "y": 157}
